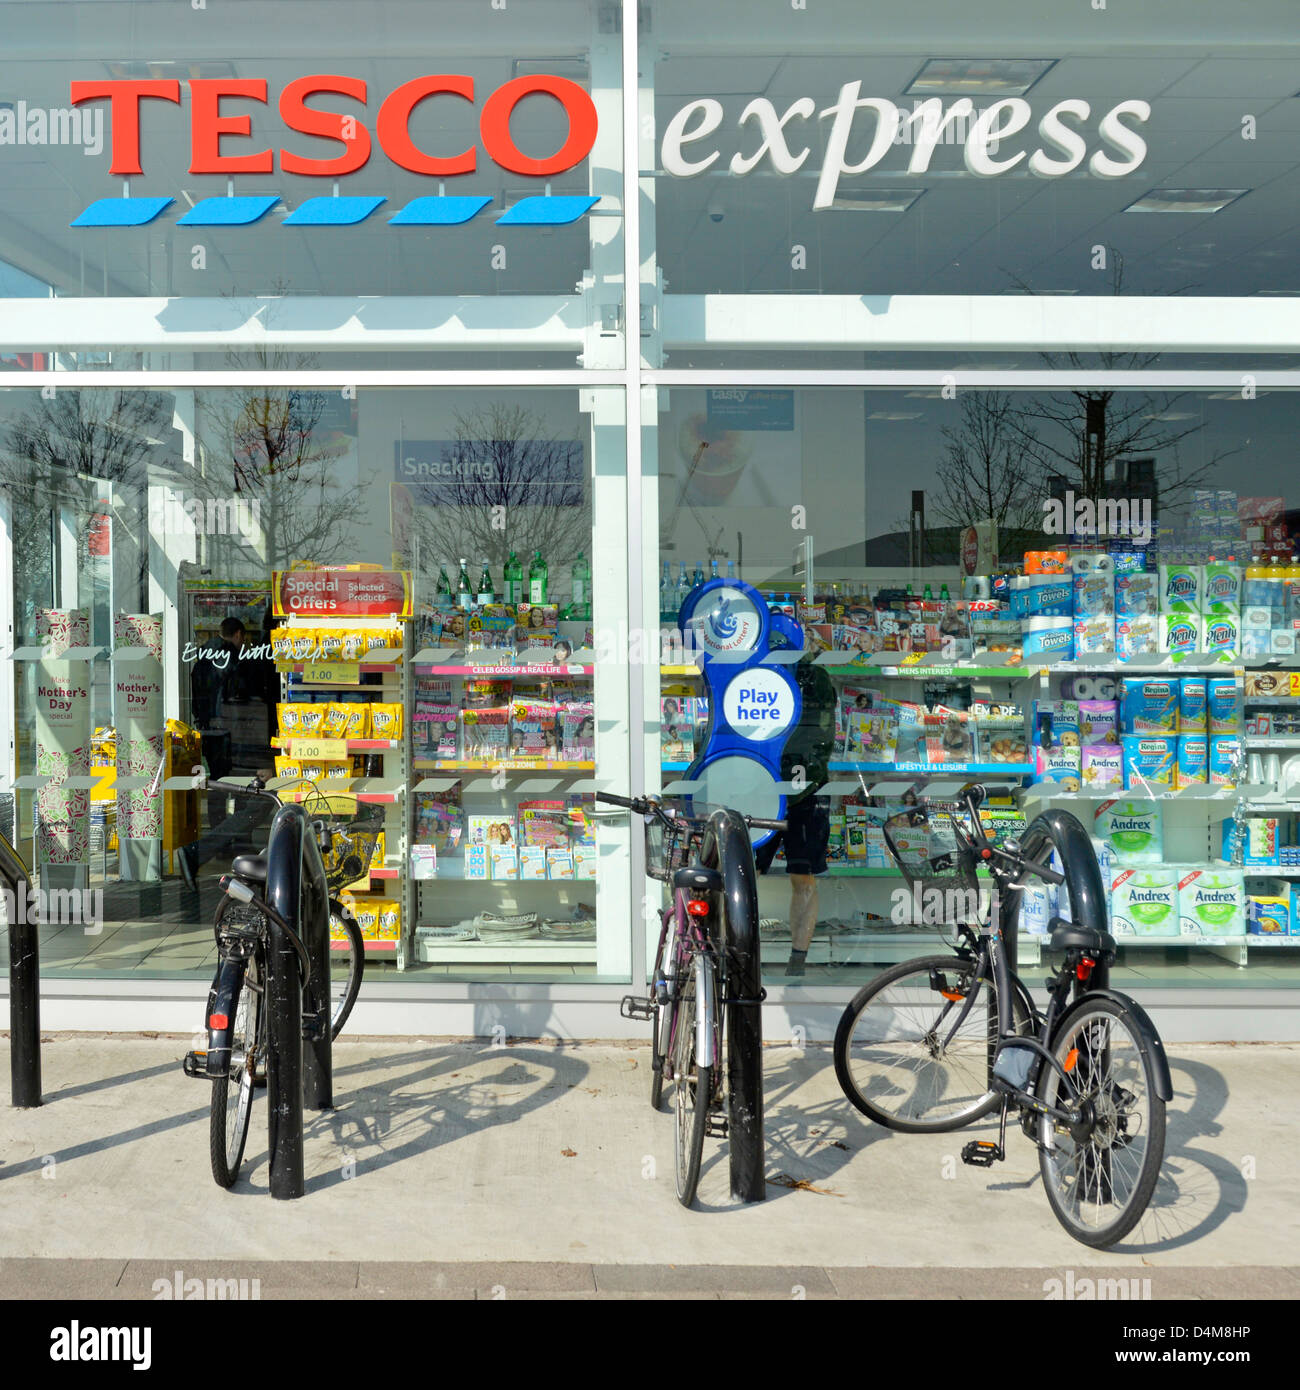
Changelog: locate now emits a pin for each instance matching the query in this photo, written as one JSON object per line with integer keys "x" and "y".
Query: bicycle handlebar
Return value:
{"x": 973, "y": 796}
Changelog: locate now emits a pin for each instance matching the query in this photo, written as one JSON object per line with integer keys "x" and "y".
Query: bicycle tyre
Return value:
{"x": 232, "y": 1095}
{"x": 1073, "y": 1172}
{"x": 887, "y": 1063}
{"x": 692, "y": 1085}
{"x": 344, "y": 994}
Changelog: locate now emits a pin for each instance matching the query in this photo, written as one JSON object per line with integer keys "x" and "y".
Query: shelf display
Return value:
{"x": 1147, "y": 688}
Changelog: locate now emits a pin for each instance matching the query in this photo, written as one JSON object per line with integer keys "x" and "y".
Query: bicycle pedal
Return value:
{"x": 636, "y": 1007}
{"x": 980, "y": 1153}
{"x": 715, "y": 1126}
{"x": 195, "y": 1065}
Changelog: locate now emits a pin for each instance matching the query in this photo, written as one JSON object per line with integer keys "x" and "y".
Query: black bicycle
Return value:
{"x": 345, "y": 834}
{"x": 935, "y": 1043}
{"x": 689, "y": 981}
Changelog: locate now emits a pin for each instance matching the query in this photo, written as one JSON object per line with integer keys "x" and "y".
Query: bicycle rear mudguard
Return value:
{"x": 223, "y": 1004}
{"x": 1143, "y": 1024}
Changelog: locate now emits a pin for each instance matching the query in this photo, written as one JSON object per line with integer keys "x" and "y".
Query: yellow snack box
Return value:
{"x": 313, "y": 769}
{"x": 386, "y": 720}
{"x": 287, "y": 767}
{"x": 376, "y": 640}
{"x": 290, "y": 719}
{"x": 329, "y": 644}
{"x": 356, "y": 720}
{"x": 354, "y": 643}
{"x": 304, "y": 643}
{"x": 377, "y": 858}
{"x": 282, "y": 644}
{"x": 337, "y": 769}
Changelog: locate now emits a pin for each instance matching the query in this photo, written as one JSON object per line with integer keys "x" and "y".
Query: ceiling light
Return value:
{"x": 575, "y": 69}
{"x": 161, "y": 68}
{"x": 877, "y": 199}
{"x": 896, "y": 415}
{"x": 1173, "y": 415}
{"x": 1007, "y": 77}
{"x": 1187, "y": 199}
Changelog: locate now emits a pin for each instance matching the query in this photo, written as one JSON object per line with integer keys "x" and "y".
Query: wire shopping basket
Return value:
{"x": 354, "y": 828}
{"x": 921, "y": 834}
{"x": 667, "y": 847}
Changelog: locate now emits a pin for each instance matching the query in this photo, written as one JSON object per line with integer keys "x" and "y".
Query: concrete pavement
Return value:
{"x": 458, "y": 1169}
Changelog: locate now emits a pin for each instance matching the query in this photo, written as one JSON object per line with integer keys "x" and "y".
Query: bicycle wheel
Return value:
{"x": 893, "y": 1056}
{"x": 232, "y": 1094}
{"x": 692, "y": 1080}
{"x": 347, "y": 962}
{"x": 1099, "y": 1182}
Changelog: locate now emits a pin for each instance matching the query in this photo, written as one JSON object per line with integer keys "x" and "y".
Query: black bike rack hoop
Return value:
{"x": 1065, "y": 833}
{"x": 727, "y": 847}
{"x": 24, "y": 986}
{"x": 295, "y": 1076}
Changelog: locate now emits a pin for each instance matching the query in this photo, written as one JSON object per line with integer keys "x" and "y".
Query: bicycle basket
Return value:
{"x": 922, "y": 838}
{"x": 667, "y": 848}
{"x": 354, "y": 832}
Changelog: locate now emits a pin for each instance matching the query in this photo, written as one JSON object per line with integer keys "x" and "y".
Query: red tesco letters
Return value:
{"x": 212, "y": 123}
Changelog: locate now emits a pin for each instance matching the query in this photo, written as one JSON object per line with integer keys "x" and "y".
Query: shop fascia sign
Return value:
{"x": 213, "y": 132}
{"x": 1062, "y": 145}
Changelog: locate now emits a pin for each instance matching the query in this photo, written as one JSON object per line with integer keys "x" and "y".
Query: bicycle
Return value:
{"x": 688, "y": 984}
{"x": 936, "y": 1043}
{"x": 236, "y": 1015}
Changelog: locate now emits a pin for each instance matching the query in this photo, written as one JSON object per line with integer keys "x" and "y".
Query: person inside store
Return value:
{"x": 220, "y": 684}
{"x": 805, "y": 761}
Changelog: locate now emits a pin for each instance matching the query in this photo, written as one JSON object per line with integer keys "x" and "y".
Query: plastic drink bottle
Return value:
{"x": 514, "y": 580}
{"x": 1277, "y": 588}
{"x": 731, "y": 570}
{"x": 713, "y": 568}
{"x": 1293, "y": 590}
{"x": 537, "y": 582}
{"x": 698, "y": 577}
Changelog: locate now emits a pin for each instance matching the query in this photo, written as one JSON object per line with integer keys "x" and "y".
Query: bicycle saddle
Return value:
{"x": 250, "y": 866}
{"x": 1070, "y": 936}
{"x": 696, "y": 880}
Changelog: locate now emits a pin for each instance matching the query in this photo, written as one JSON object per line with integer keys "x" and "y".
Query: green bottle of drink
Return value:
{"x": 581, "y": 605}
{"x": 537, "y": 579}
{"x": 464, "y": 591}
{"x": 486, "y": 589}
{"x": 514, "y": 577}
{"x": 442, "y": 591}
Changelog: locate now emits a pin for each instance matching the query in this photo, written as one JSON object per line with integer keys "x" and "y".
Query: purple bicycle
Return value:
{"x": 688, "y": 984}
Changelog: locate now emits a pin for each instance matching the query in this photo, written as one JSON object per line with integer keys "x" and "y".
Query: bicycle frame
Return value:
{"x": 682, "y": 939}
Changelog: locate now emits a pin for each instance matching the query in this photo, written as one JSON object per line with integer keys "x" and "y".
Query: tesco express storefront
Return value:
{"x": 463, "y": 337}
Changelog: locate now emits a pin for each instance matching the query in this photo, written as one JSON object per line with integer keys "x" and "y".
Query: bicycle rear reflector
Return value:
{"x": 219, "y": 1021}
{"x": 697, "y": 907}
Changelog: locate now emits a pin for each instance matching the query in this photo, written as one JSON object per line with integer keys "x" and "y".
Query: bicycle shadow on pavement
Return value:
{"x": 807, "y": 1141}
{"x": 1197, "y": 1191}
{"x": 389, "y": 1109}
